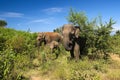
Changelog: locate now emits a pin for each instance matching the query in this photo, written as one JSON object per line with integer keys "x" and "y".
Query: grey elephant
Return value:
{"x": 71, "y": 39}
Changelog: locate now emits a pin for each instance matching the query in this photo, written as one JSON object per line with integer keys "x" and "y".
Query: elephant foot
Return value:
{"x": 70, "y": 58}
{"x": 76, "y": 60}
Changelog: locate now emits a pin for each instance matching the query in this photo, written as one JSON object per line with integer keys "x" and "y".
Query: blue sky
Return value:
{"x": 46, "y": 15}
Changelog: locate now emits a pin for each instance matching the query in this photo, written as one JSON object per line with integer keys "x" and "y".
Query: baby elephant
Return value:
{"x": 54, "y": 45}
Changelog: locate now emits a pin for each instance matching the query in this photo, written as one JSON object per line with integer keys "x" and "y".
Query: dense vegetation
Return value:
{"x": 94, "y": 31}
{"x": 16, "y": 52}
{"x": 20, "y": 59}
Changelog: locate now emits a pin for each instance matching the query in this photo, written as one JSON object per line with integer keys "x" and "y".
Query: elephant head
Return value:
{"x": 40, "y": 38}
{"x": 70, "y": 33}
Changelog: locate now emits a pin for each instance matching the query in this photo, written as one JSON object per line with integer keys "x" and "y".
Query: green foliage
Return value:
{"x": 5, "y": 61}
{"x": 2, "y": 41}
{"x": 77, "y": 18}
{"x": 59, "y": 30}
{"x": 115, "y": 42}
{"x": 96, "y": 33}
{"x": 117, "y": 32}
{"x": 16, "y": 43}
{"x": 16, "y": 53}
{"x": 3, "y": 23}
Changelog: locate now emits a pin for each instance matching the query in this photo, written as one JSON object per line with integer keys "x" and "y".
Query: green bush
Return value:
{"x": 115, "y": 42}
{"x": 96, "y": 33}
{"x": 16, "y": 53}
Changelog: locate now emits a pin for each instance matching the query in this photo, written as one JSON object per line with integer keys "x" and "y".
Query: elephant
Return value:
{"x": 71, "y": 39}
{"x": 54, "y": 45}
{"x": 48, "y": 37}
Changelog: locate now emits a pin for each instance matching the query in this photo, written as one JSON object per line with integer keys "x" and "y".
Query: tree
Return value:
{"x": 96, "y": 33}
{"x": 117, "y": 32}
{"x": 59, "y": 30}
{"x": 115, "y": 42}
{"x": 3, "y": 23}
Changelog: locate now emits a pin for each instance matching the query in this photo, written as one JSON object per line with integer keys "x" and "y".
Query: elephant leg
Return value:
{"x": 77, "y": 51}
{"x": 58, "y": 52}
{"x": 72, "y": 53}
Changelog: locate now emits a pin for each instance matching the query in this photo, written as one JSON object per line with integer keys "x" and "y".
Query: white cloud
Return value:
{"x": 39, "y": 20}
{"x": 11, "y": 14}
{"x": 44, "y": 20}
{"x": 53, "y": 10}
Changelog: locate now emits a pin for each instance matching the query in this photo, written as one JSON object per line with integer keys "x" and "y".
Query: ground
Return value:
{"x": 113, "y": 71}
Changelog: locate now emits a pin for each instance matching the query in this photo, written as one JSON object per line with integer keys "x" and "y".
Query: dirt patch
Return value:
{"x": 115, "y": 57}
{"x": 35, "y": 78}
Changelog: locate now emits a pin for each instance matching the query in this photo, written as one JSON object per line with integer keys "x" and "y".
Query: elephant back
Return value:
{"x": 52, "y": 36}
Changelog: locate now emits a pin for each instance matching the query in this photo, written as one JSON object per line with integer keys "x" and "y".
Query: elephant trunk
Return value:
{"x": 67, "y": 45}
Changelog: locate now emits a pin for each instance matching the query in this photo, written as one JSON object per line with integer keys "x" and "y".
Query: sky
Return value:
{"x": 47, "y": 15}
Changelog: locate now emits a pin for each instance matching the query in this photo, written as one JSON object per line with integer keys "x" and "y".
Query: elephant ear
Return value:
{"x": 39, "y": 35}
{"x": 43, "y": 35}
{"x": 77, "y": 31}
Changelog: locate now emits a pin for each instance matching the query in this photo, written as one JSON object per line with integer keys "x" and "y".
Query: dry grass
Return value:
{"x": 60, "y": 70}
{"x": 115, "y": 57}
{"x": 113, "y": 69}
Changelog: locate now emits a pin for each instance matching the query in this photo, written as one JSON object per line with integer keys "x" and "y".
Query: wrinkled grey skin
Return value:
{"x": 71, "y": 40}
